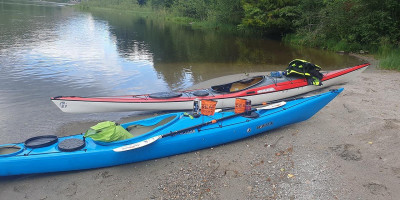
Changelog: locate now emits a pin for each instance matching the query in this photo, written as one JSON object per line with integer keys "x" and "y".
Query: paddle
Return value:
{"x": 272, "y": 106}
{"x": 155, "y": 138}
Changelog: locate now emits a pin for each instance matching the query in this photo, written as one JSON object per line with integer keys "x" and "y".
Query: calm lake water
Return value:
{"x": 48, "y": 49}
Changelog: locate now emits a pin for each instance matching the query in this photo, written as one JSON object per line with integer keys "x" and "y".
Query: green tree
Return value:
{"x": 349, "y": 24}
{"x": 196, "y": 9}
{"x": 380, "y": 22}
{"x": 270, "y": 16}
{"x": 226, "y": 11}
{"x": 162, "y": 3}
{"x": 309, "y": 15}
{"x": 141, "y": 2}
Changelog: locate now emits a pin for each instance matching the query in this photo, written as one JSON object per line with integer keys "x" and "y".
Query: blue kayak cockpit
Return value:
{"x": 144, "y": 128}
{"x": 10, "y": 149}
{"x": 140, "y": 129}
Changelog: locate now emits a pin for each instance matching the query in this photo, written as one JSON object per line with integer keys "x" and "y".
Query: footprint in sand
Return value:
{"x": 391, "y": 124}
{"x": 376, "y": 189}
{"x": 347, "y": 152}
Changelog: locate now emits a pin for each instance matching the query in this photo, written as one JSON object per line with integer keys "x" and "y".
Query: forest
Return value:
{"x": 336, "y": 25}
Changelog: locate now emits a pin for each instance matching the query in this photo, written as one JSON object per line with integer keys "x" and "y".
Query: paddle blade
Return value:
{"x": 137, "y": 144}
{"x": 218, "y": 110}
{"x": 272, "y": 106}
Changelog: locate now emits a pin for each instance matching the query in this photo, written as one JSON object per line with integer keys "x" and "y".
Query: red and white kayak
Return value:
{"x": 258, "y": 89}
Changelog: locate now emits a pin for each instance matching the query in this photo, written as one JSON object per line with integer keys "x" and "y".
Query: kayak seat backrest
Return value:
{"x": 138, "y": 129}
{"x": 222, "y": 88}
{"x": 241, "y": 85}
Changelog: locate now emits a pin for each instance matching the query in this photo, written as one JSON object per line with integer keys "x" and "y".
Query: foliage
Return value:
{"x": 141, "y": 2}
{"x": 217, "y": 11}
{"x": 270, "y": 16}
{"x": 161, "y": 3}
{"x": 349, "y": 25}
{"x": 227, "y": 12}
{"x": 196, "y": 9}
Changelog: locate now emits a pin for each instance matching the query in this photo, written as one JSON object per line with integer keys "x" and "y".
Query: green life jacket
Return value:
{"x": 306, "y": 69}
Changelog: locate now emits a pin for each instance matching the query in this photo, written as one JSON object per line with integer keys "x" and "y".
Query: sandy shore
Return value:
{"x": 349, "y": 150}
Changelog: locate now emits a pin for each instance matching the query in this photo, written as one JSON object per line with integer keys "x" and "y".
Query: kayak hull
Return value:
{"x": 100, "y": 154}
{"x": 270, "y": 90}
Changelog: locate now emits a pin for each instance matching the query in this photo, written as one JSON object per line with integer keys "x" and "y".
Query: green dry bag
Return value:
{"x": 108, "y": 132}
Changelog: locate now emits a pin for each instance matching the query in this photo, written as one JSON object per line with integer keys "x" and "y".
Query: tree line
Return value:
{"x": 349, "y": 24}
{"x": 339, "y": 25}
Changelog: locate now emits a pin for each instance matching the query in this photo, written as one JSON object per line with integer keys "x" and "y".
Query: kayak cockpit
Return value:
{"x": 238, "y": 85}
{"x": 139, "y": 129}
{"x": 143, "y": 128}
{"x": 10, "y": 149}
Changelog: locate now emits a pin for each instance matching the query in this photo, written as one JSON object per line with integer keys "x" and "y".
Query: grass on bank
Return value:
{"x": 388, "y": 56}
{"x": 122, "y": 7}
{"x": 390, "y": 59}
{"x": 148, "y": 12}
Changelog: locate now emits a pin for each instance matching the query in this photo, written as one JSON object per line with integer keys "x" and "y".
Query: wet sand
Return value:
{"x": 349, "y": 150}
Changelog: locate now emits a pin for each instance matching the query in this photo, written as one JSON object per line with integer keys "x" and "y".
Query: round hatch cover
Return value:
{"x": 41, "y": 141}
{"x": 200, "y": 93}
{"x": 71, "y": 144}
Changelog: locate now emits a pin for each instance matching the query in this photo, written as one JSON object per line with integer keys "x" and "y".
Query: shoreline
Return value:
{"x": 346, "y": 151}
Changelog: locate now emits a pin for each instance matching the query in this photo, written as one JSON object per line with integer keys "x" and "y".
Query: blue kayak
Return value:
{"x": 155, "y": 137}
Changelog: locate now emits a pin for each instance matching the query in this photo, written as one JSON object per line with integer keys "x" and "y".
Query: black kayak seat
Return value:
{"x": 165, "y": 95}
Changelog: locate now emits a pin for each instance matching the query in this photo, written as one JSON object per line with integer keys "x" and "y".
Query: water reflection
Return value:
{"x": 77, "y": 49}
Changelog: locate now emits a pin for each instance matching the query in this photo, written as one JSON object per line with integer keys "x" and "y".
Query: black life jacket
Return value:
{"x": 306, "y": 69}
